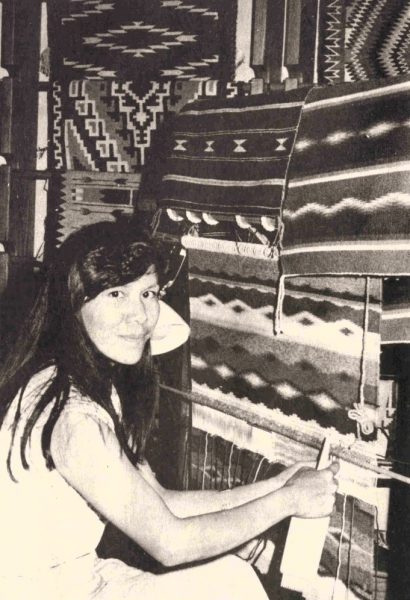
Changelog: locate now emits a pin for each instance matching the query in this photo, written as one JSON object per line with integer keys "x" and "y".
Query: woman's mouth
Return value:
{"x": 134, "y": 338}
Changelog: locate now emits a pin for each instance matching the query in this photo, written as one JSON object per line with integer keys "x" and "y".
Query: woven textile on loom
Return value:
{"x": 377, "y": 42}
{"x": 231, "y": 156}
{"x": 144, "y": 40}
{"x": 301, "y": 383}
{"x": 347, "y": 209}
{"x": 348, "y": 553}
{"x": 110, "y": 125}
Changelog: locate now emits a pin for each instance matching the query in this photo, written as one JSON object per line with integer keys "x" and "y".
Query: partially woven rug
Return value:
{"x": 231, "y": 156}
{"x": 320, "y": 365}
{"x": 144, "y": 40}
{"x": 347, "y": 209}
{"x": 347, "y": 564}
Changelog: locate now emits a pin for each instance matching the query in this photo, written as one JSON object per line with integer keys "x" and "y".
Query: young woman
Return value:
{"x": 76, "y": 408}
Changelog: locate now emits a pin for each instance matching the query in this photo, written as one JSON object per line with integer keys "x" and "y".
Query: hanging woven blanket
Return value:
{"x": 231, "y": 157}
{"x": 347, "y": 210}
{"x": 145, "y": 40}
{"x": 326, "y": 359}
{"x": 377, "y": 39}
{"x": 110, "y": 125}
{"x": 395, "y": 324}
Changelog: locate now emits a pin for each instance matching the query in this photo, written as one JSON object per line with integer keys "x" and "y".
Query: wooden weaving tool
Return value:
{"x": 298, "y": 565}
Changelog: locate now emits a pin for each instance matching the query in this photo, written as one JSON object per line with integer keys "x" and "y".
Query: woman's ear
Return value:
{"x": 170, "y": 332}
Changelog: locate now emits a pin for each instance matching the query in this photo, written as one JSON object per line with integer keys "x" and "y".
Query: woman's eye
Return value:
{"x": 150, "y": 294}
{"x": 115, "y": 294}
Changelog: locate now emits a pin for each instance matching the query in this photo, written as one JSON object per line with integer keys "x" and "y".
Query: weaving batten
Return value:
{"x": 309, "y": 534}
{"x": 302, "y": 439}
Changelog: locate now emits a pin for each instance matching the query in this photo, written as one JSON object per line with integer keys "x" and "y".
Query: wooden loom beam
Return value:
{"x": 248, "y": 413}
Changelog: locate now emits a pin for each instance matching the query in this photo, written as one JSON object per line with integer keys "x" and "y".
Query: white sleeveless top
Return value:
{"x": 46, "y": 527}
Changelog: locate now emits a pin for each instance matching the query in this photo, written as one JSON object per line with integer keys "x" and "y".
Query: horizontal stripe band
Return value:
{"x": 398, "y": 167}
{"x": 357, "y": 97}
{"x": 230, "y": 110}
{"x": 223, "y": 182}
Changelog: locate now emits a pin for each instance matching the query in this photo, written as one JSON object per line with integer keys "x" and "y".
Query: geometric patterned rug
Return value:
{"x": 319, "y": 366}
{"x": 109, "y": 125}
{"x": 144, "y": 40}
{"x": 377, "y": 40}
{"x": 231, "y": 156}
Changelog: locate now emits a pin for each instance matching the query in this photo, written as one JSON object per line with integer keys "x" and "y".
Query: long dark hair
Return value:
{"x": 94, "y": 258}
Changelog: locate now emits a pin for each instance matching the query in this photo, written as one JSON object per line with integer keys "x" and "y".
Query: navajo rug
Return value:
{"x": 377, "y": 39}
{"x": 110, "y": 125}
{"x": 320, "y": 365}
{"x": 145, "y": 40}
{"x": 231, "y": 157}
{"x": 81, "y": 198}
{"x": 347, "y": 209}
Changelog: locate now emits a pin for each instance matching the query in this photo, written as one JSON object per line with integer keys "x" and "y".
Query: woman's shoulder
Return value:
{"x": 77, "y": 404}
{"x": 80, "y": 406}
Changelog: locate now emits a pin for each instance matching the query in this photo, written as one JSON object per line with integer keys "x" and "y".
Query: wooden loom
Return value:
{"x": 257, "y": 439}
{"x": 274, "y": 438}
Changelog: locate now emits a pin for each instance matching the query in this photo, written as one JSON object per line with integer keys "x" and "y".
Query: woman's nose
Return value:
{"x": 136, "y": 311}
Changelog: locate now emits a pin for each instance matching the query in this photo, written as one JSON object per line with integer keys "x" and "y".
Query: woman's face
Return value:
{"x": 120, "y": 320}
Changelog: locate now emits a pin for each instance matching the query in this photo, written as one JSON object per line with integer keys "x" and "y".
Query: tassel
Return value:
{"x": 359, "y": 413}
{"x": 277, "y": 324}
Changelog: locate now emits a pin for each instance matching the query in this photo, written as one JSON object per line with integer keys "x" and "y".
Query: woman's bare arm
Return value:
{"x": 196, "y": 502}
{"x": 90, "y": 459}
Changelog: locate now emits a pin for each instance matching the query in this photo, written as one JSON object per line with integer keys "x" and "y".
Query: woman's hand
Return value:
{"x": 314, "y": 491}
{"x": 283, "y": 477}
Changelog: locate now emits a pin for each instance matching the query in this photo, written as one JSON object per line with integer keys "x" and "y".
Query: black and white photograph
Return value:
{"x": 205, "y": 299}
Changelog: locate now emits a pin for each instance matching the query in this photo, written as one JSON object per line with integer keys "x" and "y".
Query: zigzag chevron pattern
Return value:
{"x": 376, "y": 39}
{"x": 393, "y": 53}
{"x": 57, "y": 127}
{"x": 333, "y": 43}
